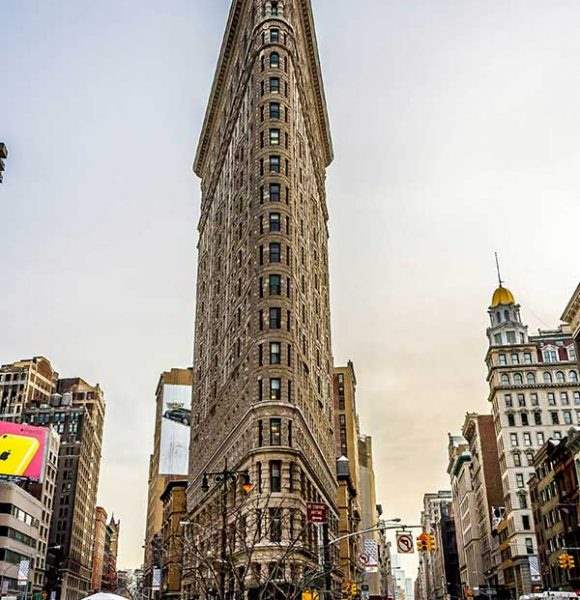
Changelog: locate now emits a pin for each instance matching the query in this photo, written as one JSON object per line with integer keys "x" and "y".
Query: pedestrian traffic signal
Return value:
{"x": 566, "y": 561}
{"x": 423, "y": 542}
{"x": 431, "y": 544}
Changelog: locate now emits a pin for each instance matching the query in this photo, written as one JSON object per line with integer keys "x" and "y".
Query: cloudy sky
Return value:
{"x": 455, "y": 126}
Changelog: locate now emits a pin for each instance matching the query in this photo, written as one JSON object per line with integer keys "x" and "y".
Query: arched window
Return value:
{"x": 518, "y": 379}
{"x": 530, "y": 378}
{"x": 505, "y": 379}
{"x": 560, "y": 377}
{"x": 274, "y": 60}
{"x": 573, "y": 377}
{"x": 547, "y": 377}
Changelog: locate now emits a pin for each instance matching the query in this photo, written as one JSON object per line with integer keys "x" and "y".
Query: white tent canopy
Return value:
{"x": 104, "y": 596}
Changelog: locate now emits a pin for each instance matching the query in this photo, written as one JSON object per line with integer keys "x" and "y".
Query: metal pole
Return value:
{"x": 327, "y": 563}
{"x": 224, "y": 525}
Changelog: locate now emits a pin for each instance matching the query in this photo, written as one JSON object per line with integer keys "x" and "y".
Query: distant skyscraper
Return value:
{"x": 535, "y": 395}
{"x": 262, "y": 358}
{"x": 76, "y": 411}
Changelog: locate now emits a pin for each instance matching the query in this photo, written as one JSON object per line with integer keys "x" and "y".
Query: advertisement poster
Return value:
{"x": 175, "y": 430}
{"x": 22, "y": 450}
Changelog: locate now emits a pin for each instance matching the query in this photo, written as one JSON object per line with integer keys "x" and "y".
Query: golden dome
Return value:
{"x": 502, "y": 296}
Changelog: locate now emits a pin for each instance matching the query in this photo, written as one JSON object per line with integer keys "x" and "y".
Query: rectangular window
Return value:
{"x": 275, "y": 192}
{"x": 555, "y": 418}
{"x": 260, "y": 355}
{"x": 290, "y": 434}
{"x": 508, "y": 400}
{"x": 274, "y": 35}
{"x": 260, "y": 395}
{"x": 275, "y": 518}
{"x": 515, "y": 359}
{"x": 521, "y": 400}
{"x": 274, "y": 285}
{"x": 525, "y": 521}
{"x": 537, "y": 418}
{"x": 564, "y": 400}
{"x": 527, "y": 438}
{"x": 551, "y": 399}
{"x": 520, "y": 480}
{"x": 275, "y": 85}
{"x": 511, "y": 337}
{"x": 529, "y": 546}
{"x": 275, "y": 432}
{"x": 275, "y": 389}
{"x": 514, "y": 439}
{"x": 260, "y": 434}
{"x": 274, "y": 110}
{"x": 525, "y": 422}
{"x": 502, "y": 360}
{"x": 275, "y": 476}
{"x": 534, "y": 399}
{"x": 274, "y": 162}
{"x": 274, "y": 222}
{"x": 540, "y": 438}
{"x": 275, "y": 252}
{"x": 274, "y": 140}
{"x": 517, "y": 460}
{"x": 527, "y": 358}
{"x": 275, "y": 317}
{"x": 567, "y": 417}
{"x": 274, "y": 353}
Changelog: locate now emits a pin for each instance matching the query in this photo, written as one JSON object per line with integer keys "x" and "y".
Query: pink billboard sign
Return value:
{"x": 22, "y": 450}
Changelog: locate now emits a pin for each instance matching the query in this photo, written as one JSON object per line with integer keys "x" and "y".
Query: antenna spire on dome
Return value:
{"x": 498, "y": 271}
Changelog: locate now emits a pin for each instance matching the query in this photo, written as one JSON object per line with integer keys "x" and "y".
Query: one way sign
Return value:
{"x": 405, "y": 542}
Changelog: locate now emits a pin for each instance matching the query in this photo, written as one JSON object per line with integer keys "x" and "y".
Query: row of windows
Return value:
{"x": 274, "y": 165}
{"x": 527, "y": 439}
{"x": 510, "y": 338}
{"x": 275, "y": 432}
{"x": 547, "y": 377}
{"x": 537, "y": 418}
{"x": 21, "y": 515}
{"x": 549, "y": 356}
{"x": 534, "y": 400}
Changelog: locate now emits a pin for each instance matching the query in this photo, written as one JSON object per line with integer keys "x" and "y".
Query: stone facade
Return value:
{"x": 98, "y": 548}
{"x": 262, "y": 357}
{"x": 535, "y": 395}
{"x": 571, "y": 316}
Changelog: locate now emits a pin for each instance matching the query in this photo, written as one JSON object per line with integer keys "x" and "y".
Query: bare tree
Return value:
{"x": 272, "y": 551}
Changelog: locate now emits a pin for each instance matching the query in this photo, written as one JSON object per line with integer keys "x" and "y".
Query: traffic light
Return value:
{"x": 3, "y": 155}
{"x": 423, "y": 542}
{"x": 431, "y": 544}
{"x": 571, "y": 563}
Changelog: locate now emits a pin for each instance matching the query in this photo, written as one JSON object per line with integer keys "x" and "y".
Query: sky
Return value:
{"x": 455, "y": 126}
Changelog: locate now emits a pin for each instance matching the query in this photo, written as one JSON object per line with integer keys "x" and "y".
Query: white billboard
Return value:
{"x": 175, "y": 430}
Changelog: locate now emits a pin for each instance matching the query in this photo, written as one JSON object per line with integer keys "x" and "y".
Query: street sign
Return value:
{"x": 363, "y": 559}
{"x": 316, "y": 512}
{"x": 405, "y": 542}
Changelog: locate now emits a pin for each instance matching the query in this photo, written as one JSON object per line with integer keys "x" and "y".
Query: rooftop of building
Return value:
{"x": 502, "y": 296}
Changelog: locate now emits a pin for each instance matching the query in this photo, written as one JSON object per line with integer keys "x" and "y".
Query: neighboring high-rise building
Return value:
{"x": 262, "y": 358}
{"x": 174, "y": 500}
{"x": 534, "y": 390}
{"x": 346, "y": 439}
{"x": 172, "y": 384}
{"x": 109, "y": 583}
{"x": 465, "y": 511}
{"x": 98, "y": 548}
{"x": 76, "y": 411}
{"x": 20, "y": 518}
{"x": 368, "y": 508}
{"x": 554, "y": 496}
{"x": 438, "y": 574}
{"x": 571, "y": 316}
{"x": 24, "y": 381}
{"x": 479, "y": 432}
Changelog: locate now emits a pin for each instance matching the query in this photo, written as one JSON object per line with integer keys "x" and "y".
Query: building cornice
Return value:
{"x": 217, "y": 89}
{"x": 573, "y": 307}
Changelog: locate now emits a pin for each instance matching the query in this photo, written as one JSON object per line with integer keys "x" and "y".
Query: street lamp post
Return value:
{"x": 223, "y": 477}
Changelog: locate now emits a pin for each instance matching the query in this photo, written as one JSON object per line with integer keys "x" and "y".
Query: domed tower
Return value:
{"x": 506, "y": 325}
